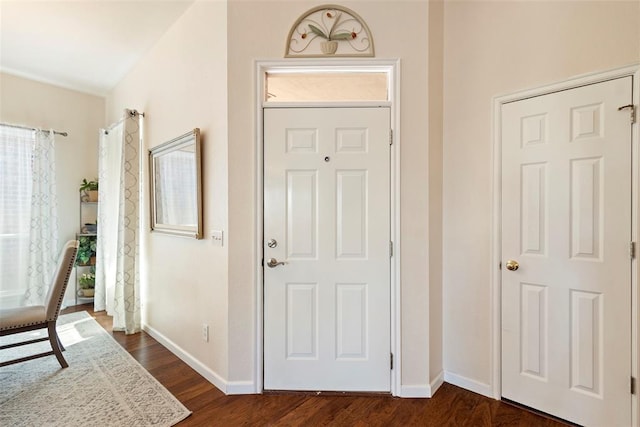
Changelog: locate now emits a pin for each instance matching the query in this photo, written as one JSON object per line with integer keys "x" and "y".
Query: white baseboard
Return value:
{"x": 241, "y": 387}
{"x": 413, "y": 391}
{"x": 436, "y": 383}
{"x": 227, "y": 387}
{"x": 469, "y": 384}
{"x": 422, "y": 391}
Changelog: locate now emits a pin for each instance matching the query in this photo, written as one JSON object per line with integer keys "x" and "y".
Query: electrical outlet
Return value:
{"x": 205, "y": 332}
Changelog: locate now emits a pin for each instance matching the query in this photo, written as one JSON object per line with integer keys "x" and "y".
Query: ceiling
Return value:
{"x": 86, "y": 45}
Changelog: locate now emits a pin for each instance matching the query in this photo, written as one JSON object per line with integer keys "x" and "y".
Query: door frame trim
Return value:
{"x": 391, "y": 66}
{"x": 496, "y": 209}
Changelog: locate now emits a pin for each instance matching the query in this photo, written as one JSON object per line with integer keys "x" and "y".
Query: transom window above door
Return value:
{"x": 334, "y": 86}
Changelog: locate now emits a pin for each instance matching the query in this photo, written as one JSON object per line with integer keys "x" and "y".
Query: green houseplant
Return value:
{"x": 86, "y": 250}
{"x": 330, "y": 32}
{"x": 90, "y": 190}
{"x": 87, "y": 283}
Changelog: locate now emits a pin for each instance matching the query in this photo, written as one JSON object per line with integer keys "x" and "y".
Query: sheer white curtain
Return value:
{"x": 43, "y": 240}
{"x": 117, "y": 269}
{"x": 28, "y": 215}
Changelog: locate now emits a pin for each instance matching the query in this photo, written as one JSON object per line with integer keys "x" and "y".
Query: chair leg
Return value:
{"x": 55, "y": 344}
{"x": 60, "y": 343}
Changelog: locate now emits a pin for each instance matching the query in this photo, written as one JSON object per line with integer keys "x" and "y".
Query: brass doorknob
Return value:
{"x": 512, "y": 265}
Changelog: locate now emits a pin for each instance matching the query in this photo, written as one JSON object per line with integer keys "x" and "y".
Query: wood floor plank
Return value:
{"x": 375, "y": 412}
{"x": 451, "y": 405}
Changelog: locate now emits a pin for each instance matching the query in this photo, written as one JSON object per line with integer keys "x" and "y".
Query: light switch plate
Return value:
{"x": 217, "y": 236}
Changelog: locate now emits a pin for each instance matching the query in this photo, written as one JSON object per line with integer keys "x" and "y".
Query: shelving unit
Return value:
{"x": 87, "y": 236}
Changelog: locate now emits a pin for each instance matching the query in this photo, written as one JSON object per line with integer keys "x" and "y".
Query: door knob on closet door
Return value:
{"x": 512, "y": 265}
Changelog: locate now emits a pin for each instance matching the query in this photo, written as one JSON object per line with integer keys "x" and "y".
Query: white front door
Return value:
{"x": 327, "y": 218}
{"x": 566, "y": 220}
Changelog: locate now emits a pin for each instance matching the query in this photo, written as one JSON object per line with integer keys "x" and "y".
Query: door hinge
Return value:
{"x": 632, "y": 109}
{"x": 632, "y": 250}
{"x": 390, "y": 249}
{"x": 391, "y": 361}
{"x": 633, "y": 385}
{"x": 390, "y": 136}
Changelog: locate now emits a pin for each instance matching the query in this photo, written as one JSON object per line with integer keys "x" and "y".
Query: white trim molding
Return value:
{"x": 227, "y": 387}
{"x": 468, "y": 384}
{"x": 494, "y": 389}
{"x": 392, "y": 68}
{"x": 436, "y": 383}
{"x": 422, "y": 390}
{"x": 415, "y": 391}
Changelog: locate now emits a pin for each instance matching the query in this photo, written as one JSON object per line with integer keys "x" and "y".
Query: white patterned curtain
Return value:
{"x": 43, "y": 240}
{"x": 118, "y": 266}
{"x": 28, "y": 215}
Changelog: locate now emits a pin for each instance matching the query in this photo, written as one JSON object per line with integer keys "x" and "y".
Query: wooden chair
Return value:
{"x": 29, "y": 318}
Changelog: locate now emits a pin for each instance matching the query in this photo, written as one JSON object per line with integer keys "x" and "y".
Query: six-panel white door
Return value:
{"x": 327, "y": 217}
{"x": 566, "y": 218}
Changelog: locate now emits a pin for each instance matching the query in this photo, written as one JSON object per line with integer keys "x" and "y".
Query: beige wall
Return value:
{"x": 494, "y": 48}
{"x": 455, "y": 57}
{"x": 399, "y": 31}
{"x": 436, "y": 62}
{"x": 182, "y": 84}
{"x": 30, "y": 103}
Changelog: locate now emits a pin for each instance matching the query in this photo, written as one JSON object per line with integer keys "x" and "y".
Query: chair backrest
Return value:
{"x": 58, "y": 286}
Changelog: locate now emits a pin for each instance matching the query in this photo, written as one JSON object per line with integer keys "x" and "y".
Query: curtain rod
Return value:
{"x": 132, "y": 113}
{"x": 30, "y": 128}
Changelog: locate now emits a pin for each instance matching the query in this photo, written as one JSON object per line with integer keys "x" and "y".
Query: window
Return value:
{"x": 338, "y": 86}
{"x": 16, "y": 152}
{"x": 28, "y": 216}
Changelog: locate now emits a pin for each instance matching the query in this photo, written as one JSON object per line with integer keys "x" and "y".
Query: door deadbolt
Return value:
{"x": 272, "y": 243}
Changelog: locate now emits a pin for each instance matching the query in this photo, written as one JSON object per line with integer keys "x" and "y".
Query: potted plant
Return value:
{"x": 331, "y": 33}
{"x": 90, "y": 190}
{"x": 87, "y": 283}
{"x": 87, "y": 250}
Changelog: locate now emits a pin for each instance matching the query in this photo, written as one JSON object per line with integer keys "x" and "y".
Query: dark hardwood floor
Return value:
{"x": 451, "y": 405}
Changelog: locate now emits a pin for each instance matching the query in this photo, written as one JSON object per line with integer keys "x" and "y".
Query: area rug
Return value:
{"x": 103, "y": 385}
